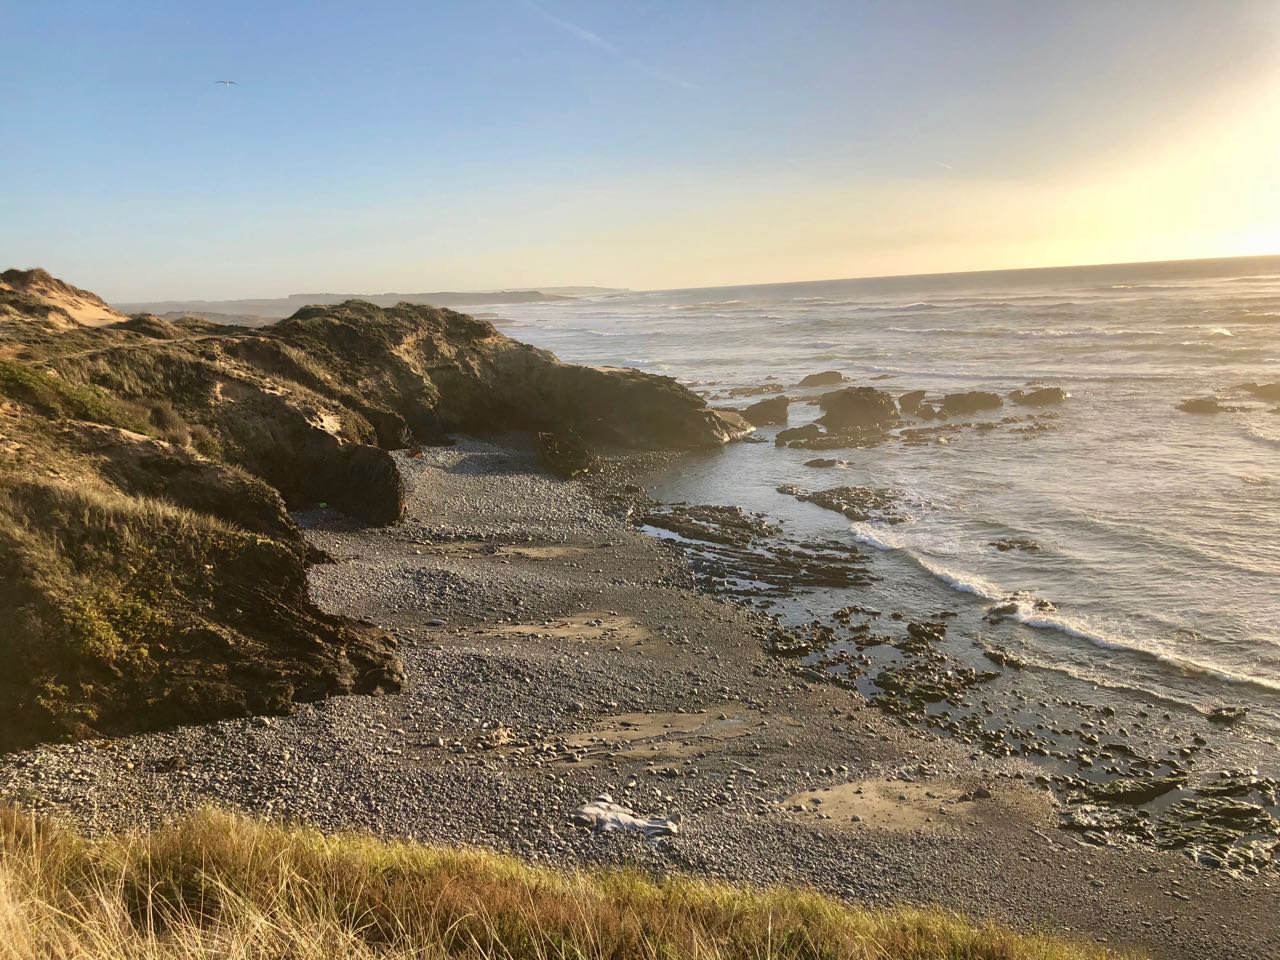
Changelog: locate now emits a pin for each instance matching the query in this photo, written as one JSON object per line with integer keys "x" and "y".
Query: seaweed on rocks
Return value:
{"x": 740, "y": 554}
{"x": 855, "y": 503}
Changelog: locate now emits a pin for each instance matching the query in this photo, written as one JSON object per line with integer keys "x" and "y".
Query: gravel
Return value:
{"x": 513, "y": 720}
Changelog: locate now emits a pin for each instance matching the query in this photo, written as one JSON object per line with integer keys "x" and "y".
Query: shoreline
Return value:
{"x": 576, "y": 658}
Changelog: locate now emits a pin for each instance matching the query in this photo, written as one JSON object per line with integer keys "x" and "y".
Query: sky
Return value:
{"x": 409, "y": 145}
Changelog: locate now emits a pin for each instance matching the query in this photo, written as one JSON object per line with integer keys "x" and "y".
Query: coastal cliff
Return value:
{"x": 150, "y": 570}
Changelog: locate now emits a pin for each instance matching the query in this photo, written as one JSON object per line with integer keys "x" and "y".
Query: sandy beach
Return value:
{"x": 555, "y": 654}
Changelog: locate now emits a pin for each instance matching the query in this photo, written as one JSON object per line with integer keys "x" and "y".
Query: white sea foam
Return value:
{"x": 1040, "y": 619}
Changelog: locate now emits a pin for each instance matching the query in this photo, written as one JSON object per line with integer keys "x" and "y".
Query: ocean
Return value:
{"x": 1155, "y": 580}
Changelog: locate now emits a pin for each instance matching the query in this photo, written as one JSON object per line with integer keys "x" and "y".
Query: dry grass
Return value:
{"x": 217, "y": 885}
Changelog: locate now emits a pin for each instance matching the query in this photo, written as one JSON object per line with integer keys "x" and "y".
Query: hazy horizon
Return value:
{"x": 762, "y": 283}
{"x": 511, "y": 144}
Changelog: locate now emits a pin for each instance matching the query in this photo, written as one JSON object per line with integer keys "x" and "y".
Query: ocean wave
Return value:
{"x": 1030, "y": 616}
{"x": 706, "y": 305}
{"x": 1146, "y": 286}
{"x": 1261, "y": 436}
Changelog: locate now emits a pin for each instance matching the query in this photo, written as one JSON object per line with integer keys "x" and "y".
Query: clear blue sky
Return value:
{"x": 373, "y": 145}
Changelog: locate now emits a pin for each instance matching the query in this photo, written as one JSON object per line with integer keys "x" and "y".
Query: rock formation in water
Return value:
{"x": 972, "y": 401}
{"x": 148, "y": 567}
{"x": 857, "y": 408}
{"x": 1039, "y": 397}
{"x": 766, "y": 412}
{"x": 827, "y": 378}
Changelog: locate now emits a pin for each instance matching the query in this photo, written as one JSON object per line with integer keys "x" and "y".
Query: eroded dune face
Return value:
{"x": 145, "y": 548}
{"x": 80, "y": 307}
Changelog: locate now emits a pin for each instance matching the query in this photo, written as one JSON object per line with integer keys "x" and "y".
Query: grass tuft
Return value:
{"x": 224, "y": 886}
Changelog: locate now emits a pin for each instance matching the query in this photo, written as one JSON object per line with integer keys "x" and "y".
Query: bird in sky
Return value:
{"x": 229, "y": 83}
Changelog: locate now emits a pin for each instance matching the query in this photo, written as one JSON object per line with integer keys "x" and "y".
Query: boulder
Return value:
{"x": 766, "y": 412}
{"x": 973, "y": 401}
{"x": 566, "y": 456}
{"x": 827, "y": 378}
{"x": 858, "y": 408}
{"x": 1041, "y": 397}
{"x": 909, "y": 403}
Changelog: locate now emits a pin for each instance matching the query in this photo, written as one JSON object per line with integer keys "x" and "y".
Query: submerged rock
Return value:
{"x": 766, "y": 412}
{"x": 1263, "y": 391}
{"x": 1205, "y": 405}
{"x": 1015, "y": 543}
{"x": 754, "y": 390}
{"x": 1041, "y": 397}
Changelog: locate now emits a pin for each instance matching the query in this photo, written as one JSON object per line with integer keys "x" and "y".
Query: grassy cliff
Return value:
{"x": 149, "y": 572}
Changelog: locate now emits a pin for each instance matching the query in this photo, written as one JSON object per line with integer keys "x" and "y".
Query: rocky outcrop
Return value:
{"x": 973, "y": 401}
{"x": 828, "y": 378}
{"x": 766, "y": 412}
{"x": 146, "y": 586}
{"x": 149, "y": 570}
{"x": 1040, "y": 397}
{"x": 857, "y": 408}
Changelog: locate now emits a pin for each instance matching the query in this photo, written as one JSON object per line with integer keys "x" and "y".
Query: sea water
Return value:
{"x": 1158, "y": 530}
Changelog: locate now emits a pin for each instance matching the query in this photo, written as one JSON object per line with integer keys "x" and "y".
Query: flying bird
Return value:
{"x": 229, "y": 83}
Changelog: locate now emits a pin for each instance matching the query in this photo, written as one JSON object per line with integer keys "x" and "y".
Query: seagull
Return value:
{"x": 229, "y": 83}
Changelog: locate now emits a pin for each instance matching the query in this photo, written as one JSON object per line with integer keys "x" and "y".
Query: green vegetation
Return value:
{"x": 218, "y": 885}
{"x": 53, "y": 396}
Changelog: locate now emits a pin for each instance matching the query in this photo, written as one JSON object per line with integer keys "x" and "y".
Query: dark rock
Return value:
{"x": 566, "y": 456}
{"x": 909, "y": 403}
{"x": 974, "y": 401}
{"x": 765, "y": 412}
{"x": 858, "y": 408}
{"x": 856, "y": 503}
{"x": 1228, "y": 715}
{"x": 1015, "y": 543}
{"x": 1130, "y": 792}
{"x": 1042, "y": 397}
{"x": 823, "y": 462}
{"x": 810, "y": 431}
{"x": 827, "y": 378}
